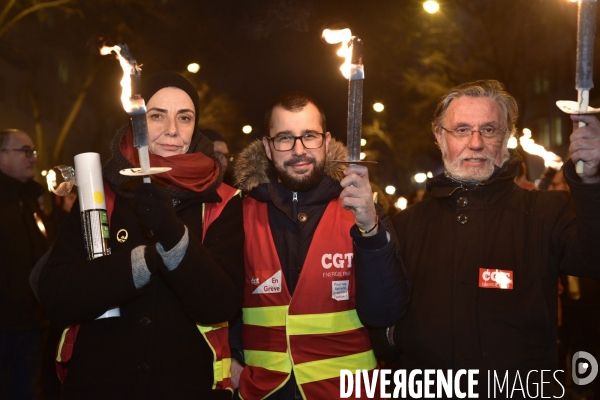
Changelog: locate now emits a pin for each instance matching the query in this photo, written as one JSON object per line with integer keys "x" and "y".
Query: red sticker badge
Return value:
{"x": 495, "y": 278}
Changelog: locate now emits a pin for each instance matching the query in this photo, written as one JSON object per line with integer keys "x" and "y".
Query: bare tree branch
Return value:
{"x": 72, "y": 115}
{"x": 7, "y": 9}
{"x": 24, "y": 13}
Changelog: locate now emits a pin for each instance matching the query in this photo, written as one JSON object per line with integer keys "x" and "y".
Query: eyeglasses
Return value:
{"x": 489, "y": 132}
{"x": 29, "y": 152}
{"x": 310, "y": 140}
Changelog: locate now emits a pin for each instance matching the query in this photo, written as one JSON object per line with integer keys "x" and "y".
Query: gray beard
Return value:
{"x": 475, "y": 174}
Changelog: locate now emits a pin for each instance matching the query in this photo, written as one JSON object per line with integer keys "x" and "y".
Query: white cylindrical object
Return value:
{"x": 90, "y": 186}
{"x": 94, "y": 218}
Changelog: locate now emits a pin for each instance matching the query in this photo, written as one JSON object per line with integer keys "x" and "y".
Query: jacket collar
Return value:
{"x": 253, "y": 168}
{"x": 254, "y": 174}
{"x": 327, "y": 189}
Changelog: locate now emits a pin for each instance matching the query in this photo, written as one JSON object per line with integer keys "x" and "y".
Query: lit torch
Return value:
{"x": 586, "y": 30}
{"x": 134, "y": 105}
{"x": 552, "y": 162}
{"x": 353, "y": 70}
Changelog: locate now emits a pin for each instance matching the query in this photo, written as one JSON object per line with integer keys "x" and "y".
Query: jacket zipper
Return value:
{"x": 295, "y": 205}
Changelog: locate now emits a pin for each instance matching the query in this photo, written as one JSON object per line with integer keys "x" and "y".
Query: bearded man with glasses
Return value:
{"x": 23, "y": 240}
{"x": 317, "y": 253}
{"x": 484, "y": 255}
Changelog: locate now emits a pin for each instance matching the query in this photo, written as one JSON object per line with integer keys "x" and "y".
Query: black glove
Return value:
{"x": 155, "y": 209}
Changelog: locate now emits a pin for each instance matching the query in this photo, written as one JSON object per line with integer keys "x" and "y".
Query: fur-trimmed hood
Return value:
{"x": 252, "y": 167}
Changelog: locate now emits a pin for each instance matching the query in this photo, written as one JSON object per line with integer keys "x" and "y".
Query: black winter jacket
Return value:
{"x": 21, "y": 245}
{"x": 452, "y": 323}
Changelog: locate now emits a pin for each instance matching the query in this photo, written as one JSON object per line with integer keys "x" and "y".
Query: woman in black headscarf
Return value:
{"x": 175, "y": 268}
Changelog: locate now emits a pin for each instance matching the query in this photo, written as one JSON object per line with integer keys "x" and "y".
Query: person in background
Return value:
{"x": 23, "y": 240}
{"x": 521, "y": 178}
{"x": 221, "y": 153}
{"x": 558, "y": 182}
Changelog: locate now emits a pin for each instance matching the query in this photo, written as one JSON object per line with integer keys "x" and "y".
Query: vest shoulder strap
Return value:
{"x": 211, "y": 211}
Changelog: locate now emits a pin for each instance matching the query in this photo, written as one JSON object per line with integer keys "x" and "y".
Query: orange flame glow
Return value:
{"x": 129, "y": 104}
{"x": 550, "y": 159}
{"x": 341, "y": 36}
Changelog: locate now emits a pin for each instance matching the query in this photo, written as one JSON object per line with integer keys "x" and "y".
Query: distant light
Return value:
{"x": 573, "y": 1}
{"x": 527, "y": 131}
{"x": 429, "y": 174}
{"x": 378, "y": 107}
{"x": 193, "y": 68}
{"x": 431, "y": 6}
{"x": 247, "y": 129}
{"x": 44, "y": 172}
{"x": 512, "y": 143}
{"x": 401, "y": 203}
{"x": 390, "y": 189}
{"x": 363, "y": 142}
{"x": 363, "y": 155}
{"x": 420, "y": 177}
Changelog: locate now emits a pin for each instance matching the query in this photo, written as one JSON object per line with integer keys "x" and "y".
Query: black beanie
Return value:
{"x": 161, "y": 80}
{"x": 213, "y": 135}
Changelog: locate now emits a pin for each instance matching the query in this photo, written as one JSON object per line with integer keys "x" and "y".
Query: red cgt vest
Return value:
{"x": 317, "y": 332}
{"x": 216, "y": 335}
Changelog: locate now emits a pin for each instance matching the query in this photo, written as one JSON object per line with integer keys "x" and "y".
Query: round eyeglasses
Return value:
{"x": 463, "y": 132}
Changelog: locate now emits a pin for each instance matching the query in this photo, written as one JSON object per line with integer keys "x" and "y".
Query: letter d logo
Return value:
{"x": 580, "y": 368}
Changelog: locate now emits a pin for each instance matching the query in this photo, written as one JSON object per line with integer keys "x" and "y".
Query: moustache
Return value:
{"x": 298, "y": 160}
{"x": 487, "y": 157}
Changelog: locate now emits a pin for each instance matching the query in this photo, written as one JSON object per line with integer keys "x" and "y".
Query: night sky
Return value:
{"x": 252, "y": 51}
{"x": 257, "y": 50}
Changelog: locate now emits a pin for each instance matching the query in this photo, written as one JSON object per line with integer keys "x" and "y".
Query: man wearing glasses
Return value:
{"x": 484, "y": 255}
{"x": 317, "y": 253}
{"x": 22, "y": 242}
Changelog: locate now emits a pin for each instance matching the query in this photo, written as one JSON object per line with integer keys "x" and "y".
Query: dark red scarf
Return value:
{"x": 194, "y": 172}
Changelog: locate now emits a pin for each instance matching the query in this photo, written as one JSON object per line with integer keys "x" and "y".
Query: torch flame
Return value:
{"x": 341, "y": 36}
{"x": 51, "y": 180}
{"x": 550, "y": 159}
{"x": 130, "y": 103}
